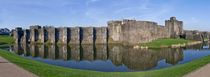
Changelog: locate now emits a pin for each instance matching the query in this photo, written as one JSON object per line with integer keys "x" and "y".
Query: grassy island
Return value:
{"x": 161, "y": 43}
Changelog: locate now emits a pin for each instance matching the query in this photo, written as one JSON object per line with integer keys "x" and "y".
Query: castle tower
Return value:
{"x": 175, "y": 27}
{"x": 114, "y": 29}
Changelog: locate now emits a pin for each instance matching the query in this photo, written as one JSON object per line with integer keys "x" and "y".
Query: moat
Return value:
{"x": 112, "y": 58}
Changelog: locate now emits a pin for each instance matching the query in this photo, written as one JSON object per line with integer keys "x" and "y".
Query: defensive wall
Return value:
{"x": 128, "y": 32}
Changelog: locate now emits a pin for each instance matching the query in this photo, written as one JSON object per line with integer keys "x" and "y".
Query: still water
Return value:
{"x": 112, "y": 58}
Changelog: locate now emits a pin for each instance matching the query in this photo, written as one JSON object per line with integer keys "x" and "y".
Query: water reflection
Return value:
{"x": 103, "y": 57}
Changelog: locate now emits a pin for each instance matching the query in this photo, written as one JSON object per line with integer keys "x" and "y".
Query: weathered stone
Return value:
{"x": 101, "y": 35}
{"x": 128, "y": 32}
{"x": 74, "y": 35}
{"x": 114, "y": 29}
{"x": 132, "y": 32}
{"x": 43, "y": 35}
{"x": 26, "y": 36}
{"x": 34, "y": 33}
{"x": 87, "y": 36}
{"x": 193, "y": 35}
{"x": 63, "y": 34}
{"x": 52, "y": 35}
{"x": 175, "y": 27}
{"x": 18, "y": 33}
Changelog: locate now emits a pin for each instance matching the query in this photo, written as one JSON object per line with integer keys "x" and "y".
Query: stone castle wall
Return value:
{"x": 129, "y": 32}
{"x": 135, "y": 32}
{"x": 175, "y": 27}
{"x": 132, "y": 32}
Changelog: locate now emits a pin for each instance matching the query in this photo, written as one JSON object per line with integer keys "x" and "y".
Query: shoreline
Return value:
{"x": 170, "y": 46}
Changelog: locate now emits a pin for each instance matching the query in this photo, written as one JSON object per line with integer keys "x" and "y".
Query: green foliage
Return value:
{"x": 165, "y": 43}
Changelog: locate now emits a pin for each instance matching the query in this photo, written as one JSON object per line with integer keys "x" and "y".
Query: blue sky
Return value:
{"x": 13, "y": 13}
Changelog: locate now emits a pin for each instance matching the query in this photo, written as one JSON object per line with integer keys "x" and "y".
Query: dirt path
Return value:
{"x": 8, "y": 69}
{"x": 202, "y": 72}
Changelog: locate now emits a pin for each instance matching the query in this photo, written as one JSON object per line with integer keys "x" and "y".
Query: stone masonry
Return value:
{"x": 74, "y": 35}
{"x": 101, "y": 35}
{"x": 127, "y": 32}
{"x": 87, "y": 36}
{"x": 175, "y": 27}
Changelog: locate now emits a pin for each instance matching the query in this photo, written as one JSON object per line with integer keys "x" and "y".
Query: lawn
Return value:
{"x": 5, "y": 39}
{"x": 165, "y": 43}
{"x": 46, "y": 70}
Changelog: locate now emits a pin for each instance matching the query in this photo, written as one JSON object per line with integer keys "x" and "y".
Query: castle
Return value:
{"x": 128, "y": 32}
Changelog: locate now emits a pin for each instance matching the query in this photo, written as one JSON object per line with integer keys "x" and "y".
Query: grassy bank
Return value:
{"x": 159, "y": 43}
{"x": 6, "y": 39}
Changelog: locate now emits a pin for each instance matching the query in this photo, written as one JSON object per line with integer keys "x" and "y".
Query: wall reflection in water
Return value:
{"x": 132, "y": 59}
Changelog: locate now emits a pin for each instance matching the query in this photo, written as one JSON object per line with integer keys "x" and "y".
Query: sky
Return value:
{"x": 23, "y": 13}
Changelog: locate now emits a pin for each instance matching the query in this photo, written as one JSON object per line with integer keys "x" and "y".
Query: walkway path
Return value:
{"x": 8, "y": 69}
{"x": 202, "y": 72}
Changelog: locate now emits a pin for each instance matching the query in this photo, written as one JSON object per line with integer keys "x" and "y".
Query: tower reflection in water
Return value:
{"x": 100, "y": 57}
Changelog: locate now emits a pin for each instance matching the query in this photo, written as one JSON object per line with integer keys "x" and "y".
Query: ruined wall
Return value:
{"x": 63, "y": 35}
{"x": 114, "y": 31}
{"x": 87, "y": 35}
{"x": 26, "y": 36}
{"x": 17, "y": 34}
{"x": 128, "y": 32}
{"x": 193, "y": 35}
{"x": 132, "y": 32}
{"x": 101, "y": 35}
{"x": 43, "y": 35}
{"x": 74, "y": 35}
{"x": 52, "y": 35}
{"x": 34, "y": 33}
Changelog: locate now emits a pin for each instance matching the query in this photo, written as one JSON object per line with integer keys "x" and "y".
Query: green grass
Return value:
{"x": 6, "y": 39}
{"x": 46, "y": 70}
{"x": 164, "y": 43}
